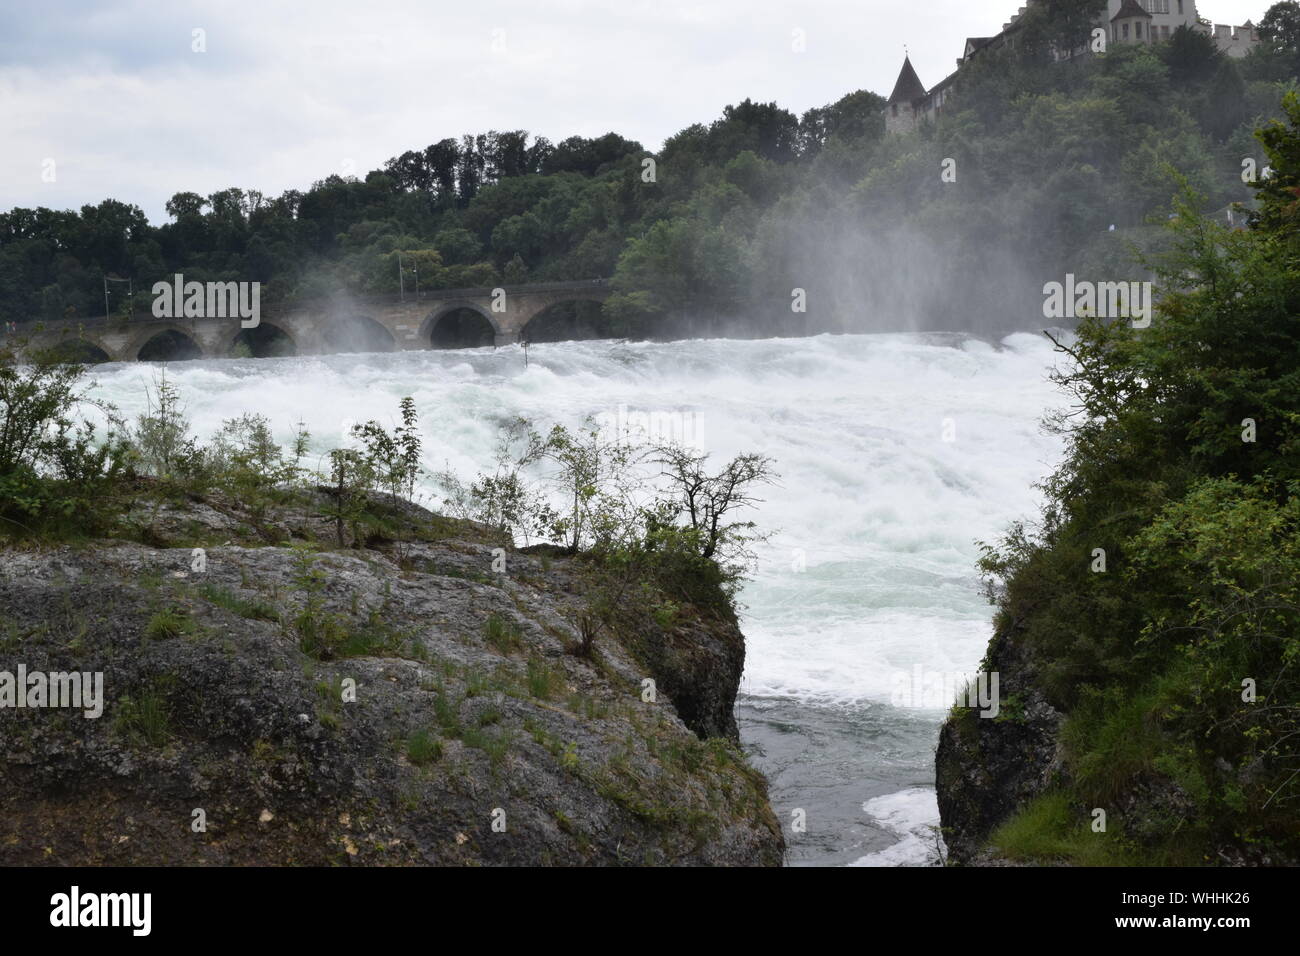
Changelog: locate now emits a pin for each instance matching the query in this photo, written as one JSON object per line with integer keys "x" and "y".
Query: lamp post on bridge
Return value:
{"x": 401, "y": 281}
{"x": 130, "y": 294}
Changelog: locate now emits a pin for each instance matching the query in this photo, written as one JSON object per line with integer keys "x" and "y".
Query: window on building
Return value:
{"x": 1156, "y": 6}
{"x": 1180, "y": 7}
{"x": 1126, "y": 31}
{"x": 1164, "y": 32}
{"x": 1137, "y": 30}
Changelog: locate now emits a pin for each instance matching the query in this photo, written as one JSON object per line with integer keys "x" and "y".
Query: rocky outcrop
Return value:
{"x": 396, "y": 701}
{"x": 988, "y": 767}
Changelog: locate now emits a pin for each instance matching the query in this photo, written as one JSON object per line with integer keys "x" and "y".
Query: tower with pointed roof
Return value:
{"x": 906, "y": 105}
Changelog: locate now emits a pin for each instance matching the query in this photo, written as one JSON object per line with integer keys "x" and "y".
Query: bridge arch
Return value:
{"x": 264, "y": 340}
{"x": 357, "y": 333}
{"x": 459, "y": 324}
{"x": 571, "y": 320}
{"x": 82, "y": 350}
{"x": 170, "y": 343}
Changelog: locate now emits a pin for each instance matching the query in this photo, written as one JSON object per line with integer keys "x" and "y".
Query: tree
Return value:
{"x": 706, "y": 501}
{"x": 1059, "y": 26}
{"x": 410, "y": 171}
{"x": 393, "y": 458}
{"x": 764, "y": 128}
{"x": 1225, "y": 101}
{"x": 161, "y": 437}
{"x": 458, "y": 246}
{"x": 185, "y": 205}
{"x": 1279, "y": 214}
{"x": 470, "y": 166}
{"x": 54, "y": 469}
{"x": 1191, "y": 56}
{"x": 577, "y": 154}
{"x": 506, "y": 154}
{"x": 853, "y": 118}
{"x": 440, "y": 161}
{"x": 592, "y": 478}
{"x": 515, "y": 271}
{"x": 506, "y": 499}
{"x": 1280, "y": 30}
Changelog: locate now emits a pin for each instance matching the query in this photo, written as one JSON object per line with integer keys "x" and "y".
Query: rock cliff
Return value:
{"x": 399, "y": 700}
{"x": 988, "y": 767}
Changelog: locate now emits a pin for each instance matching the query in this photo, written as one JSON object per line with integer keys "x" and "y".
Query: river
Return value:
{"x": 896, "y": 452}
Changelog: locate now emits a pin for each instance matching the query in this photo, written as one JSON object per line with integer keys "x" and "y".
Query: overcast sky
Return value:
{"x": 113, "y": 92}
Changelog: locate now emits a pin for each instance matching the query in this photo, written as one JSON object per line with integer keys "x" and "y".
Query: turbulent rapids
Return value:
{"x": 897, "y": 453}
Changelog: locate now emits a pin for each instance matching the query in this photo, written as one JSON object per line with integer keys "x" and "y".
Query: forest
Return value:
{"x": 760, "y": 222}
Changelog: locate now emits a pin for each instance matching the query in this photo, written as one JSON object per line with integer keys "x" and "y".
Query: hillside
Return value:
{"x": 716, "y": 231}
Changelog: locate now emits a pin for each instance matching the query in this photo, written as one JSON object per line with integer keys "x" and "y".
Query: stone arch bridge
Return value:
{"x": 497, "y": 316}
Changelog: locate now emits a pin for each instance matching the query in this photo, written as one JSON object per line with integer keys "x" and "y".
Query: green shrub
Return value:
{"x": 57, "y": 475}
{"x": 169, "y": 622}
{"x": 422, "y": 748}
{"x": 1053, "y": 830}
{"x": 144, "y": 716}
{"x": 502, "y": 634}
{"x": 253, "y": 608}
{"x": 543, "y": 682}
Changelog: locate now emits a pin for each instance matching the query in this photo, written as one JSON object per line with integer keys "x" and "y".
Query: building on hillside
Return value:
{"x": 1125, "y": 21}
{"x": 1150, "y": 21}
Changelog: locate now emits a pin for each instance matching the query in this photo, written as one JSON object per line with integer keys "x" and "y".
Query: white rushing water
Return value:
{"x": 896, "y": 454}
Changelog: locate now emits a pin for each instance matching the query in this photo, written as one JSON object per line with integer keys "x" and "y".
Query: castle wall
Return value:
{"x": 1166, "y": 17}
{"x": 1233, "y": 41}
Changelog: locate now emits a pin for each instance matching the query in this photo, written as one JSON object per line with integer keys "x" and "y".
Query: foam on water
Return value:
{"x": 870, "y": 568}
{"x": 910, "y": 815}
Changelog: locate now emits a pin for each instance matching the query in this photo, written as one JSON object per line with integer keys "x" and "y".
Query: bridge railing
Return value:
{"x": 344, "y": 301}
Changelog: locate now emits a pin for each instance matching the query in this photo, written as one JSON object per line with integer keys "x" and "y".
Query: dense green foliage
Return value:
{"x": 740, "y": 212}
{"x": 55, "y": 471}
{"x": 1160, "y": 598}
